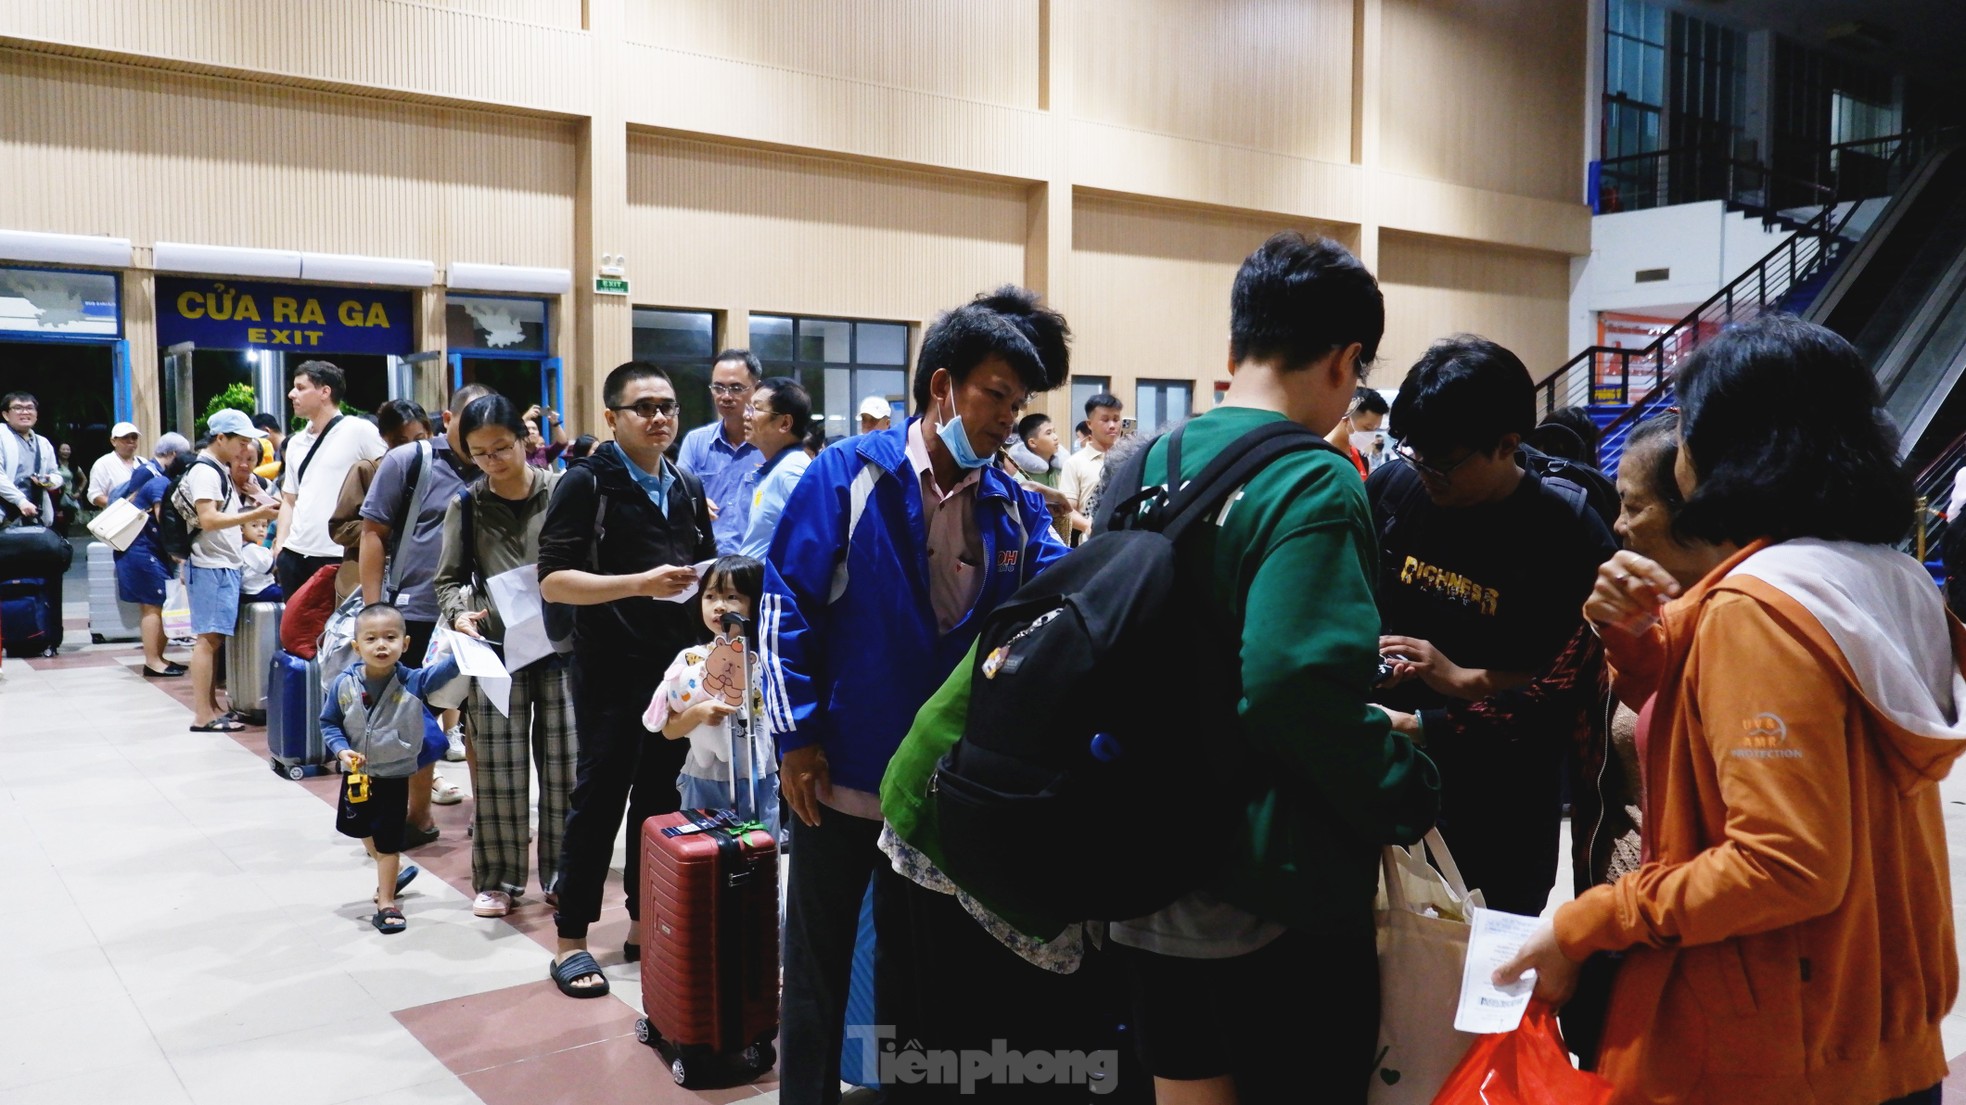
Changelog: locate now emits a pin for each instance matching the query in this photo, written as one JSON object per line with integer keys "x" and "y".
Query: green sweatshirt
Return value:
{"x": 1290, "y": 567}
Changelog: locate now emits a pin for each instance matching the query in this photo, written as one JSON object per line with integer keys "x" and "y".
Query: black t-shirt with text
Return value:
{"x": 1498, "y": 586}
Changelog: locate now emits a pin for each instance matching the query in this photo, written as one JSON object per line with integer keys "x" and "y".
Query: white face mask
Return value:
{"x": 1364, "y": 442}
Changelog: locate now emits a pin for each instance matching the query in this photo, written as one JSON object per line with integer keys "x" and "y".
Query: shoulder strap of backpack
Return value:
{"x": 415, "y": 485}
{"x": 300, "y": 477}
{"x": 1130, "y": 477}
{"x": 1232, "y": 468}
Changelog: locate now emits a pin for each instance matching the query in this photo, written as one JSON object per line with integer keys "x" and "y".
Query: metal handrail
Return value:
{"x": 1934, "y": 485}
{"x": 1711, "y": 157}
{"x": 1761, "y": 285}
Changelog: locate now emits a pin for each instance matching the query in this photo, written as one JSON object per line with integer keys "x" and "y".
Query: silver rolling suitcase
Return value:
{"x": 248, "y": 657}
{"x": 110, "y": 619}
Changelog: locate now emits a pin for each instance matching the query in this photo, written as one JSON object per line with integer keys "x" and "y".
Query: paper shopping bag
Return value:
{"x": 1424, "y": 922}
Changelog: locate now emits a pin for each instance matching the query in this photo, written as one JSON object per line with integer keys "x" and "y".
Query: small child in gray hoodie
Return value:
{"x": 373, "y": 722}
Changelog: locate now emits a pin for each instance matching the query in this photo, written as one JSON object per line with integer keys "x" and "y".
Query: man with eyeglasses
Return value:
{"x": 718, "y": 453}
{"x": 620, "y": 536}
{"x": 1486, "y": 567}
{"x": 28, "y": 470}
{"x": 780, "y": 414}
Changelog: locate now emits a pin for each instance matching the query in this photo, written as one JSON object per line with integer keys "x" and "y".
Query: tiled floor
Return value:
{"x": 189, "y": 929}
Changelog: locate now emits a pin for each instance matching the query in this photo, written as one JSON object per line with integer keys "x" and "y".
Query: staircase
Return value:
{"x": 1623, "y": 387}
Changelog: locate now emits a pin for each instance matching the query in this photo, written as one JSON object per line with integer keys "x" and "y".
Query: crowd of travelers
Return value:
{"x": 1740, "y": 689}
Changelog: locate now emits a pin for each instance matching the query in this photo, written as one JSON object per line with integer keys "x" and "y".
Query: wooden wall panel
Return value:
{"x": 95, "y": 148}
{"x": 727, "y": 228}
{"x": 1271, "y": 75}
{"x": 972, "y": 49}
{"x": 749, "y": 101}
{"x": 1485, "y": 93}
{"x": 1150, "y": 289}
{"x": 1435, "y": 287}
{"x": 545, "y": 13}
{"x": 518, "y": 53}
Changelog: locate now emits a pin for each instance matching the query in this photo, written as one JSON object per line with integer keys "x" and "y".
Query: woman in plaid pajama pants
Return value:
{"x": 492, "y": 528}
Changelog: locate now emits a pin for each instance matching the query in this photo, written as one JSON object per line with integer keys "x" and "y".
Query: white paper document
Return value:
{"x": 516, "y": 595}
{"x": 1485, "y": 1007}
{"x": 476, "y": 659}
{"x": 690, "y": 591}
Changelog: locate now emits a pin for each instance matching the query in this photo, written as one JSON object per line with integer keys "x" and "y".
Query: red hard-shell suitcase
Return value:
{"x": 709, "y": 944}
{"x": 710, "y": 933}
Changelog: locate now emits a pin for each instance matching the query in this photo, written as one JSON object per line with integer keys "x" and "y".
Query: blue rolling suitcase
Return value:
{"x": 293, "y": 717}
{"x": 30, "y": 617}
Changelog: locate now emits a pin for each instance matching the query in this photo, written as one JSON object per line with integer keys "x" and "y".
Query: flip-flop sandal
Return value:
{"x": 403, "y": 878}
{"x": 572, "y": 969}
{"x": 389, "y": 921}
{"x": 218, "y": 725}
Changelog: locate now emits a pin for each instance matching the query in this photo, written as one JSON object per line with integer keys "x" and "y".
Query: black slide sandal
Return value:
{"x": 574, "y": 968}
{"x": 389, "y": 921}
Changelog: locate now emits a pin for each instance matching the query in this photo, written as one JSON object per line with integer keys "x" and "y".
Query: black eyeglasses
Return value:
{"x": 1405, "y": 452}
{"x": 648, "y": 410}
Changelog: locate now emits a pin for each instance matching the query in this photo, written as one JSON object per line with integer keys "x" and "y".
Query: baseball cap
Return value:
{"x": 235, "y": 423}
{"x": 875, "y": 407}
{"x": 122, "y": 429}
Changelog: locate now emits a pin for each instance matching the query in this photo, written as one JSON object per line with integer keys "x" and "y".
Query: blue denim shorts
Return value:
{"x": 214, "y": 600}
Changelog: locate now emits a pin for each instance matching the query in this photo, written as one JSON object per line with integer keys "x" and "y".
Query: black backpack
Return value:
{"x": 1079, "y": 724}
{"x": 1576, "y": 483}
{"x": 175, "y": 529}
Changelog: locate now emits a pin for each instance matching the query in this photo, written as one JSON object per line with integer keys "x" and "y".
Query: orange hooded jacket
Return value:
{"x": 1790, "y": 937}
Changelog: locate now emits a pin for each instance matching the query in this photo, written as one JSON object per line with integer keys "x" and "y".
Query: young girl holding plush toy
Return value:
{"x": 701, "y": 699}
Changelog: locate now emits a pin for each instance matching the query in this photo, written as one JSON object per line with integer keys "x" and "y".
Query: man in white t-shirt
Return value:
{"x": 1082, "y": 469}
{"x": 318, "y": 460}
{"x": 207, "y": 499}
{"x": 114, "y": 468}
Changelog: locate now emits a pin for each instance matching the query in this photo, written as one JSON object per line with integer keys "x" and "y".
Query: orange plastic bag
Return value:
{"x": 1529, "y": 1066}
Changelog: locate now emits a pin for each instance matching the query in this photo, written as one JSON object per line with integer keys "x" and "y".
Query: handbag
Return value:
{"x": 335, "y": 650}
{"x": 119, "y": 524}
{"x": 451, "y": 694}
{"x": 1424, "y": 919}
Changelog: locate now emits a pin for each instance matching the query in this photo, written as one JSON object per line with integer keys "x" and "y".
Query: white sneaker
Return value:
{"x": 455, "y": 753}
{"x": 492, "y": 903}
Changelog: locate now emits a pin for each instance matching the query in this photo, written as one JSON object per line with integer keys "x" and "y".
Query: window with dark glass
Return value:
{"x": 1159, "y": 404}
{"x": 841, "y": 362}
{"x": 682, "y": 342}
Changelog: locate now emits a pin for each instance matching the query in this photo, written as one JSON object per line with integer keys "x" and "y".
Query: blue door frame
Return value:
{"x": 122, "y": 390}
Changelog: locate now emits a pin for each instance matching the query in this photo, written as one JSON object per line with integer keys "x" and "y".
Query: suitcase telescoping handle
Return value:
{"x": 732, "y": 620}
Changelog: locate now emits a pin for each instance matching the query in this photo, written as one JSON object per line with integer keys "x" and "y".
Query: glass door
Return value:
{"x": 179, "y": 407}
{"x": 419, "y": 378}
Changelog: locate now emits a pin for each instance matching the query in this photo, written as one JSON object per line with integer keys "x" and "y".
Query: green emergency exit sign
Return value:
{"x": 610, "y": 285}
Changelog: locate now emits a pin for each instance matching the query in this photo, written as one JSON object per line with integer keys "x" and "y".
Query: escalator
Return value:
{"x": 1901, "y": 300}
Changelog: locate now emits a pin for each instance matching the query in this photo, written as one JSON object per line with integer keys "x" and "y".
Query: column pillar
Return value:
{"x": 1048, "y": 211}
{"x": 602, "y": 325}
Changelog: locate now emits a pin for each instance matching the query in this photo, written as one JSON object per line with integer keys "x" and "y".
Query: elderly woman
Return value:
{"x": 1788, "y": 937}
{"x": 143, "y": 572}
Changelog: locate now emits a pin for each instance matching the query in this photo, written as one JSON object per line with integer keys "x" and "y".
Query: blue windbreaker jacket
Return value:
{"x": 847, "y": 633}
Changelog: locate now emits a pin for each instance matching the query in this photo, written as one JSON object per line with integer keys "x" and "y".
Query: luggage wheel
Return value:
{"x": 761, "y": 1056}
